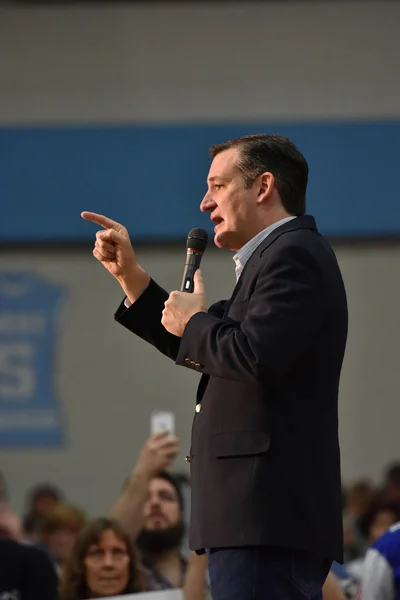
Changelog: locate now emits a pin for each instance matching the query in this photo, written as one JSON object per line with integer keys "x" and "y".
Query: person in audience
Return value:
{"x": 358, "y": 500}
{"x": 10, "y": 523}
{"x": 26, "y": 573}
{"x": 161, "y": 536}
{"x": 60, "y": 528}
{"x": 150, "y": 508}
{"x": 381, "y": 580}
{"x": 391, "y": 486}
{"x": 194, "y": 587}
{"x": 380, "y": 517}
{"x": 41, "y": 499}
{"x": 102, "y": 564}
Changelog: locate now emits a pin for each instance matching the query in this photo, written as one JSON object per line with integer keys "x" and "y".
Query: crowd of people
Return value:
{"x": 136, "y": 547}
{"x": 54, "y": 552}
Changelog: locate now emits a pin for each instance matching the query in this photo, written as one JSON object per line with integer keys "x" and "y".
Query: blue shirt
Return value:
{"x": 381, "y": 576}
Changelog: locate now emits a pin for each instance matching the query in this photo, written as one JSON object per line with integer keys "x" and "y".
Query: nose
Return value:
{"x": 154, "y": 505}
{"x": 154, "y": 500}
{"x": 207, "y": 204}
{"x": 108, "y": 559}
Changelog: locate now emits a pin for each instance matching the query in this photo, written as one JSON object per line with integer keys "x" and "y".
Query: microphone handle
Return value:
{"x": 193, "y": 260}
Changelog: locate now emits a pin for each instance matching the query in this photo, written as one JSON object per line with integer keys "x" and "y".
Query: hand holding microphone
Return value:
{"x": 195, "y": 246}
{"x": 181, "y": 306}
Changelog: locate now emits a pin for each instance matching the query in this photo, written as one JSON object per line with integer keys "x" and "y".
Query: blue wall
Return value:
{"x": 152, "y": 178}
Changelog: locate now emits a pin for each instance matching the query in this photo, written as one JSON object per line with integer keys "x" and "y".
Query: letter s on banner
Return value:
{"x": 17, "y": 372}
{"x": 29, "y": 408}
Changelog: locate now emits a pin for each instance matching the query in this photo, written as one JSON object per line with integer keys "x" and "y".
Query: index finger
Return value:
{"x": 100, "y": 220}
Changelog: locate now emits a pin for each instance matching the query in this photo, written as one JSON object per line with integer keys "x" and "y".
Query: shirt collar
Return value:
{"x": 243, "y": 255}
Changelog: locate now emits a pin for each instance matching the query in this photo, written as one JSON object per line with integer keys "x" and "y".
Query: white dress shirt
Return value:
{"x": 243, "y": 255}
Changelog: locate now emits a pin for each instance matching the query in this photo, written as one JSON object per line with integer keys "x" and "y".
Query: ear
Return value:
{"x": 267, "y": 184}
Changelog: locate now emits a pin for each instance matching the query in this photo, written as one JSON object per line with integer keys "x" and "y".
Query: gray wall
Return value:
{"x": 248, "y": 61}
{"x": 109, "y": 381}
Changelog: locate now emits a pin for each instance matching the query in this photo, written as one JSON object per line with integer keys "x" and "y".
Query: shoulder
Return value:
{"x": 301, "y": 250}
{"x": 377, "y": 582}
{"x": 388, "y": 546}
{"x": 307, "y": 239}
{"x": 18, "y": 552}
{"x": 36, "y": 555}
{"x": 296, "y": 250}
{"x": 34, "y": 568}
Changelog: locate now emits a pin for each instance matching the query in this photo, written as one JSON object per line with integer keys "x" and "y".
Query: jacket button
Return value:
{"x": 187, "y": 361}
{"x": 198, "y": 408}
{"x": 187, "y": 458}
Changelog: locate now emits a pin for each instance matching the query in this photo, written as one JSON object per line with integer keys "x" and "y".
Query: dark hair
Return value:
{"x": 392, "y": 473}
{"x": 73, "y": 584}
{"x": 174, "y": 481}
{"x": 367, "y": 520}
{"x": 277, "y": 154}
{"x": 44, "y": 489}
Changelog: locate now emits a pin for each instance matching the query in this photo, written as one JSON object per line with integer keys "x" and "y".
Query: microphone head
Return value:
{"x": 197, "y": 239}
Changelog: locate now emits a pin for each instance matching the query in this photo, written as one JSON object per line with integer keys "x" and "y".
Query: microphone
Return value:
{"x": 195, "y": 245}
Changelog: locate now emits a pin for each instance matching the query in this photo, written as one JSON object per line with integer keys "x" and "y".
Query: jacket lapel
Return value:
{"x": 303, "y": 222}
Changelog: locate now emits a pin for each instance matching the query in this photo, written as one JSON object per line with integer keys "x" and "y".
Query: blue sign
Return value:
{"x": 152, "y": 178}
{"x": 29, "y": 408}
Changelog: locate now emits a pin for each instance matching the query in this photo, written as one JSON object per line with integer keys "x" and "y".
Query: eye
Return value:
{"x": 95, "y": 552}
{"x": 218, "y": 186}
{"x": 167, "y": 497}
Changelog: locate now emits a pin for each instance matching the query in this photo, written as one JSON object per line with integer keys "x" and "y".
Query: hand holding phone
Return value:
{"x": 162, "y": 421}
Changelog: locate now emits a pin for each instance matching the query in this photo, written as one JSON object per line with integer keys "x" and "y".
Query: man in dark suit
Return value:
{"x": 265, "y": 460}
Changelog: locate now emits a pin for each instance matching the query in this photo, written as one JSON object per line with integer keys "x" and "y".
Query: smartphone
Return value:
{"x": 162, "y": 421}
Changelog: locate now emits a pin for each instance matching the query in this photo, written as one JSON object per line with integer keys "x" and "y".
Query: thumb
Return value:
{"x": 113, "y": 236}
{"x": 198, "y": 283}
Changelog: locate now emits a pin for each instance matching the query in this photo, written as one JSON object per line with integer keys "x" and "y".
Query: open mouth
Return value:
{"x": 217, "y": 221}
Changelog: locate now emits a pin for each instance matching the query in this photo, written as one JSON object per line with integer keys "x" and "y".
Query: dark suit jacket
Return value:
{"x": 265, "y": 459}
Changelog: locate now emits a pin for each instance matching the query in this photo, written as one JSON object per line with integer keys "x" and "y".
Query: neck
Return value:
{"x": 267, "y": 222}
{"x": 167, "y": 556}
{"x": 272, "y": 216}
{"x": 169, "y": 564}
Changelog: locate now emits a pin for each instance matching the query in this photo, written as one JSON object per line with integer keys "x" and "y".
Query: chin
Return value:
{"x": 221, "y": 238}
{"x": 224, "y": 239}
{"x": 111, "y": 590}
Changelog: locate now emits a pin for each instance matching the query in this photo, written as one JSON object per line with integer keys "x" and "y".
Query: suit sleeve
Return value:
{"x": 283, "y": 314}
{"x": 143, "y": 318}
{"x": 218, "y": 309}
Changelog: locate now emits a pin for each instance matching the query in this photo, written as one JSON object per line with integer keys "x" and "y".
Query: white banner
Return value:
{"x": 162, "y": 595}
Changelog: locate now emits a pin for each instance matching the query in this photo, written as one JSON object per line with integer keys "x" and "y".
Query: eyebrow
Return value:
{"x": 218, "y": 177}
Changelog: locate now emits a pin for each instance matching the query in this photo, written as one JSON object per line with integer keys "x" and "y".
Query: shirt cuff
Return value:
{"x": 127, "y": 303}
